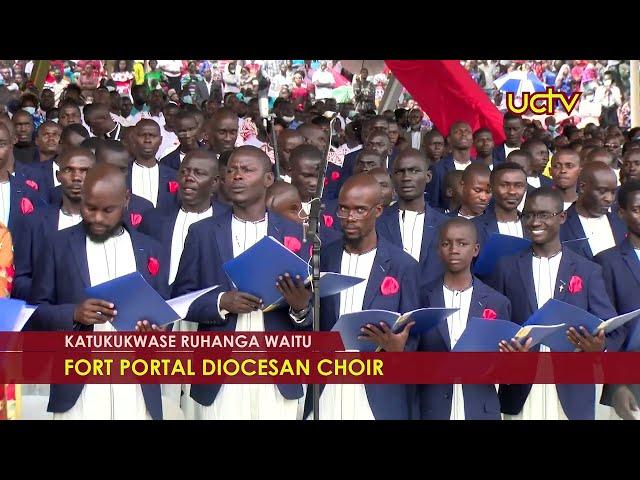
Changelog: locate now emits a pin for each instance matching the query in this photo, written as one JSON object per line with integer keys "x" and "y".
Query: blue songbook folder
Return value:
{"x": 349, "y": 325}
{"x": 257, "y": 269}
{"x": 135, "y": 300}
{"x": 14, "y": 314}
{"x": 496, "y": 247}
{"x": 555, "y": 311}
{"x": 482, "y": 335}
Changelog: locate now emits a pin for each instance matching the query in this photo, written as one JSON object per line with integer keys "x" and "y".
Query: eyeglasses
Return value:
{"x": 543, "y": 216}
{"x": 358, "y": 213}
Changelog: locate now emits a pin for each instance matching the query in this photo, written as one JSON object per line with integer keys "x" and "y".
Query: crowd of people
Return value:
{"x": 102, "y": 179}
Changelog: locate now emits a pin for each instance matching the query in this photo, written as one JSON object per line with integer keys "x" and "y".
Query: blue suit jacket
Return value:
{"x": 60, "y": 279}
{"x": 486, "y": 224}
{"x": 621, "y": 271}
{"x": 31, "y": 171}
{"x": 387, "y": 402}
{"x": 480, "y": 401}
{"x": 160, "y": 225}
{"x": 166, "y": 199}
{"x": 137, "y": 206}
{"x": 388, "y": 226}
{"x": 25, "y": 234}
{"x": 499, "y": 154}
{"x": 332, "y": 187}
{"x": 437, "y": 187}
{"x": 572, "y": 229}
{"x": 172, "y": 159}
{"x": 207, "y": 247}
{"x": 513, "y": 277}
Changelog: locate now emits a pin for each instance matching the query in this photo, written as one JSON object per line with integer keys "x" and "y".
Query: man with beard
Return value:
{"x": 99, "y": 249}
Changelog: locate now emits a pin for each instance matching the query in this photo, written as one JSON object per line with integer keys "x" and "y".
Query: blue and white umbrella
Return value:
{"x": 518, "y": 82}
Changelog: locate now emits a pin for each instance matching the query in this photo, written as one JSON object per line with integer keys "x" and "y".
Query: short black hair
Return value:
{"x": 547, "y": 192}
{"x": 92, "y": 143}
{"x": 630, "y": 145}
{"x": 482, "y": 130}
{"x": 475, "y": 169}
{"x": 305, "y": 150}
{"x": 504, "y": 166}
{"x": 511, "y": 116}
{"x": 460, "y": 222}
{"x": 627, "y": 188}
{"x": 74, "y": 128}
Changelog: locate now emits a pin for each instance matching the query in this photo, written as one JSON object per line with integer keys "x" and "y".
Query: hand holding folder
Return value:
{"x": 14, "y": 314}
{"x": 256, "y": 270}
{"x": 135, "y": 301}
{"x": 555, "y": 310}
{"x": 349, "y": 325}
{"x": 482, "y": 335}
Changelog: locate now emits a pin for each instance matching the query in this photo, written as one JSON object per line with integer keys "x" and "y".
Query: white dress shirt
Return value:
{"x": 598, "y": 233}
{"x": 411, "y": 227}
{"x": 144, "y": 182}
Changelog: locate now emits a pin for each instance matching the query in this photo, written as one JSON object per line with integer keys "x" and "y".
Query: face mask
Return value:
{"x": 607, "y": 83}
{"x": 31, "y": 110}
{"x": 352, "y": 114}
{"x": 552, "y": 128}
{"x": 288, "y": 119}
{"x": 187, "y": 100}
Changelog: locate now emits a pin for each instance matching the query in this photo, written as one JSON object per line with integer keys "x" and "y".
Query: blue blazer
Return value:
{"x": 207, "y": 247}
{"x": 388, "y": 226}
{"x": 25, "y": 233}
{"x": 486, "y": 224}
{"x": 437, "y": 187}
{"x": 513, "y": 277}
{"x": 572, "y": 229}
{"x": 499, "y": 155}
{"x": 480, "y": 401}
{"x": 166, "y": 199}
{"x": 26, "y": 172}
{"x": 160, "y": 225}
{"x": 332, "y": 187}
{"x": 388, "y": 402}
{"x": 172, "y": 159}
{"x": 621, "y": 271}
{"x": 59, "y": 282}
{"x": 137, "y": 206}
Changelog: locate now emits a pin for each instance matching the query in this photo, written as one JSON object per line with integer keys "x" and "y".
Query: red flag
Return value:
{"x": 446, "y": 91}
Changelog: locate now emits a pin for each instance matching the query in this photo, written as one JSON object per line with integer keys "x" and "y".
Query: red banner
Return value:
{"x": 446, "y": 91}
{"x": 214, "y": 367}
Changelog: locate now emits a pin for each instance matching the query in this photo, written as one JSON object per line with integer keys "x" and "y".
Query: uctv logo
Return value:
{"x": 540, "y": 103}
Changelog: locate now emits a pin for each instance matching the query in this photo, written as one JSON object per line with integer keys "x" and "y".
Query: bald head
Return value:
{"x": 222, "y": 129}
{"x": 104, "y": 176}
{"x": 597, "y": 184}
{"x": 284, "y": 199}
{"x": 364, "y": 184}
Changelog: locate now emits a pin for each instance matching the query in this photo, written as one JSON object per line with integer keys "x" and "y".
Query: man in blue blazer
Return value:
{"x": 513, "y": 129}
{"x": 411, "y": 224}
{"x": 391, "y": 284}
{"x": 458, "y": 288}
{"x": 187, "y": 132}
{"x": 460, "y": 139}
{"x": 508, "y": 187}
{"x": 98, "y": 249}
{"x": 590, "y": 227}
{"x": 551, "y": 270}
{"x": 19, "y": 206}
{"x": 146, "y": 177}
{"x": 198, "y": 180}
{"x": 212, "y": 242}
{"x": 621, "y": 269}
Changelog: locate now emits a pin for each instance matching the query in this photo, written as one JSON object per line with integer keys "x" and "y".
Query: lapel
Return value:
{"x": 478, "y": 299}
{"x": 429, "y": 231}
{"x": 51, "y": 217}
{"x": 379, "y": 270}
{"x": 224, "y": 240}
{"x": 129, "y": 174}
{"x": 565, "y": 271}
{"x": 436, "y": 300}
{"x": 334, "y": 264}
{"x": 618, "y": 228}
{"x": 275, "y": 227}
{"x": 78, "y": 243}
{"x": 140, "y": 252}
{"x": 575, "y": 227}
{"x": 630, "y": 258}
{"x": 525, "y": 268}
{"x": 391, "y": 224}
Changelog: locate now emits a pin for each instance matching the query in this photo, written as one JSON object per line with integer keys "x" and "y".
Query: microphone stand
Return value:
{"x": 274, "y": 142}
{"x": 312, "y": 235}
